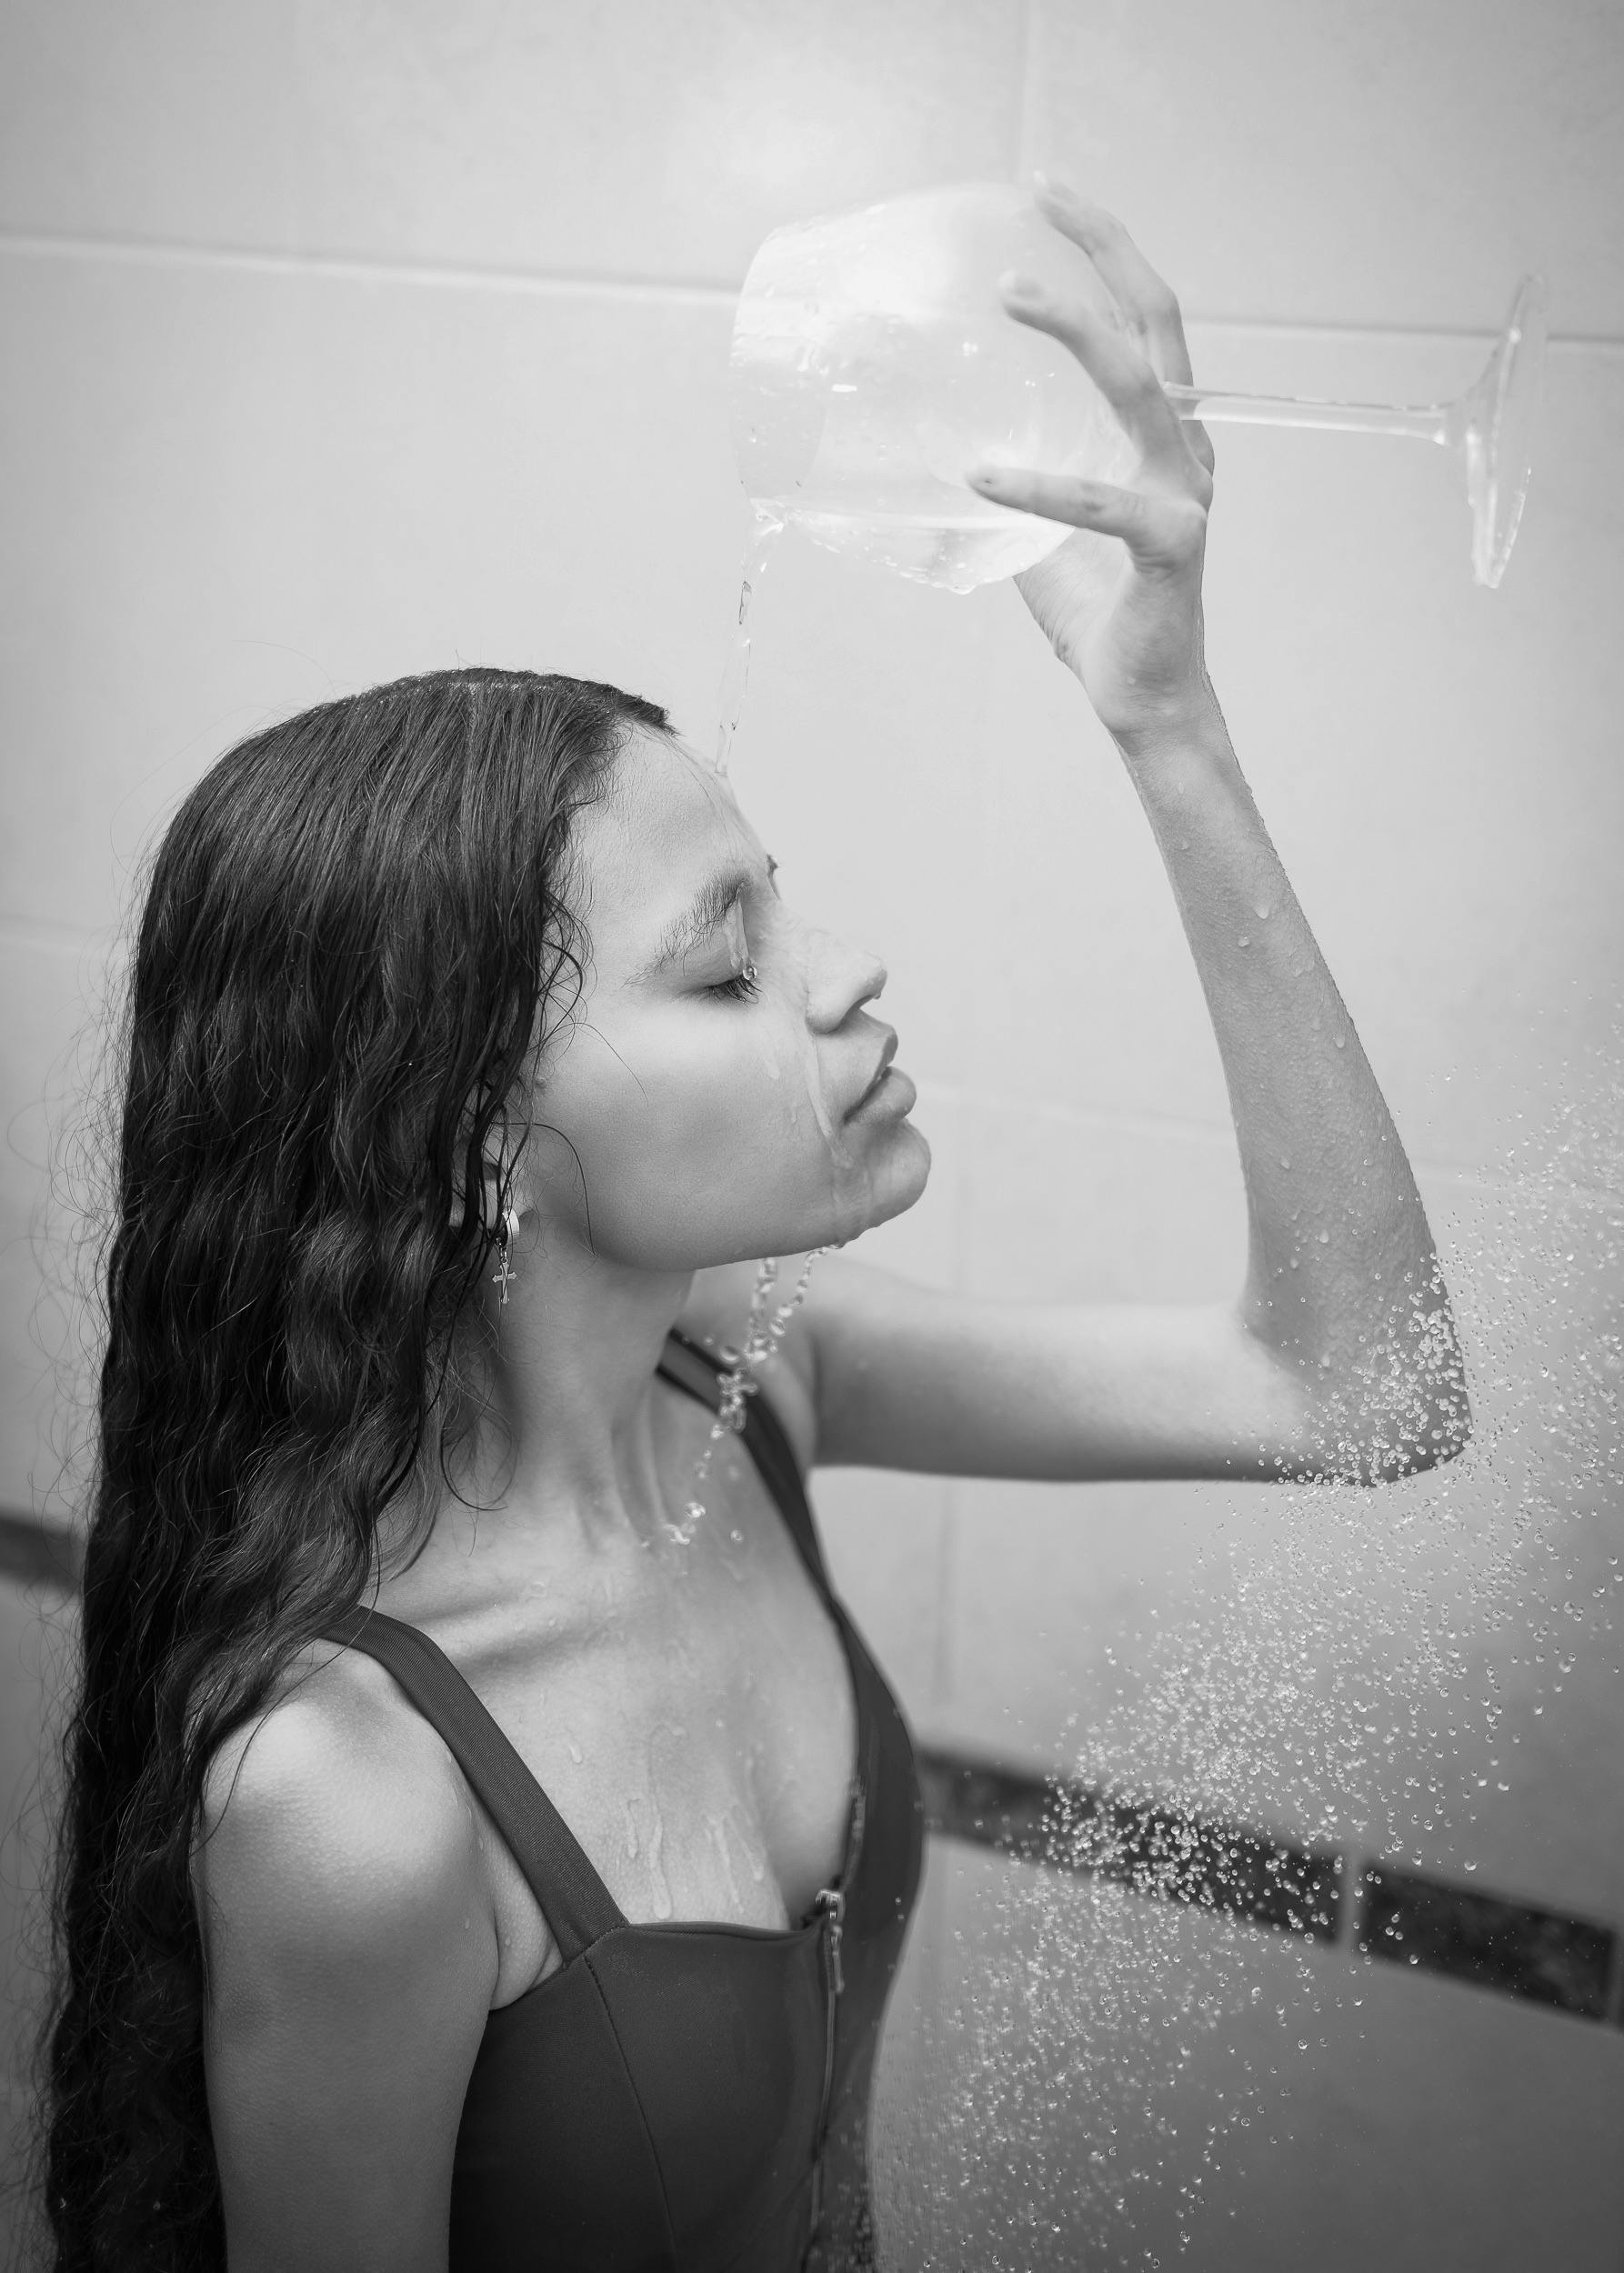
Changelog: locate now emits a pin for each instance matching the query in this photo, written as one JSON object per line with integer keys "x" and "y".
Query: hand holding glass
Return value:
{"x": 874, "y": 364}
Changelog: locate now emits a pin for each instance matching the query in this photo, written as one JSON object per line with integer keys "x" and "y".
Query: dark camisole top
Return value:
{"x": 688, "y": 2095}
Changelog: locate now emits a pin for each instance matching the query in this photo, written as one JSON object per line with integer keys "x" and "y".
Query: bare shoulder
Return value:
{"x": 338, "y": 1794}
{"x": 351, "y": 1954}
{"x": 715, "y": 1313}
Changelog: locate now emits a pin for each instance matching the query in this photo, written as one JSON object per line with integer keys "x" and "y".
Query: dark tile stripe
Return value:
{"x": 1403, "y": 1917}
{"x": 1410, "y": 1919}
{"x": 1156, "y": 1850}
{"x": 35, "y": 1554}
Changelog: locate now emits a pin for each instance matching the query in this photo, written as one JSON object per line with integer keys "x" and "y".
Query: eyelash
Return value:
{"x": 740, "y": 987}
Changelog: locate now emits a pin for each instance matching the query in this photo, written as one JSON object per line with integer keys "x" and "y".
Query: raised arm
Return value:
{"x": 1339, "y": 1355}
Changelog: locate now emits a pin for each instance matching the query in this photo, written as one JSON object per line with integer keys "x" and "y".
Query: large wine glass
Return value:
{"x": 874, "y": 364}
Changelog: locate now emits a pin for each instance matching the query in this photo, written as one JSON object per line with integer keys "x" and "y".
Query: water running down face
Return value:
{"x": 714, "y": 1117}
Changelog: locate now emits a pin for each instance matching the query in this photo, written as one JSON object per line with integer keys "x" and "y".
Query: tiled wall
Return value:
{"x": 344, "y": 338}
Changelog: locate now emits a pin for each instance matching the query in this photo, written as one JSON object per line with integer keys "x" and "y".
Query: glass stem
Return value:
{"x": 1427, "y": 424}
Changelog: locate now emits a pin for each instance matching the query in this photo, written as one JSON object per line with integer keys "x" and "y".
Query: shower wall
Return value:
{"x": 345, "y": 338}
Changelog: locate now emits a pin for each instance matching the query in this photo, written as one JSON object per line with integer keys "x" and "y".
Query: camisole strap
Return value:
{"x": 578, "y": 1905}
{"x": 692, "y": 1368}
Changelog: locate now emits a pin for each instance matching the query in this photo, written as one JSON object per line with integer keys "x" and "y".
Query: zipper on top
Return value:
{"x": 831, "y": 1902}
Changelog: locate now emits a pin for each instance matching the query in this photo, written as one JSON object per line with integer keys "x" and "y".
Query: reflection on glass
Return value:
{"x": 873, "y": 364}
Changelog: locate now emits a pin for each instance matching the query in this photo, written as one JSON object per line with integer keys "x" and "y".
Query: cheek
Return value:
{"x": 709, "y": 1099}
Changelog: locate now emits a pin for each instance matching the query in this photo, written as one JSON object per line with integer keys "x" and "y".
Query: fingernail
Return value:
{"x": 1019, "y": 287}
{"x": 985, "y": 476}
{"x": 1049, "y": 188}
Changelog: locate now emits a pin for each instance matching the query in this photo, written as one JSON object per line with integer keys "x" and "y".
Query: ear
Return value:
{"x": 506, "y": 1184}
{"x": 501, "y": 1170}
{"x": 498, "y": 1147}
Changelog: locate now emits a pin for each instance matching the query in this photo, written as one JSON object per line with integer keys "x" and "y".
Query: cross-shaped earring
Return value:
{"x": 504, "y": 1274}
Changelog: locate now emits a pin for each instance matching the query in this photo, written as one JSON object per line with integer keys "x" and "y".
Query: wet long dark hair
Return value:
{"x": 355, "y": 933}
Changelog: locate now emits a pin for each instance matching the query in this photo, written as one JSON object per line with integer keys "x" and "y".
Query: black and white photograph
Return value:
{"x": 811, "y": 1137}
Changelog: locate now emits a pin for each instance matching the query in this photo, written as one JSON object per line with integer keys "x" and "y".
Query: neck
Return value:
{"x": 566, "y": 1466}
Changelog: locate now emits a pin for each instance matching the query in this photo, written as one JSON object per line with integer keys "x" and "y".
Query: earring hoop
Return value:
{"x": 504, "y": 1274}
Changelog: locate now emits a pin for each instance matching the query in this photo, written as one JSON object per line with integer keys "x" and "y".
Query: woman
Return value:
{"x": 488, "y": 1843}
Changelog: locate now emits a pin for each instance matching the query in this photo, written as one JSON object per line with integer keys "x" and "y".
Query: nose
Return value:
{"x": 839, "y": 979}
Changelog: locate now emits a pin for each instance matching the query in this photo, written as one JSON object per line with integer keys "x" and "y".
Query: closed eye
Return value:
{"x": 743, "y": 984}
{"x": 740, "y": 987}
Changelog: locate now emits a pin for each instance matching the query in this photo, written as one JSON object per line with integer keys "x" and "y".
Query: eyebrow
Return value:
{"x": 702, "y": 914}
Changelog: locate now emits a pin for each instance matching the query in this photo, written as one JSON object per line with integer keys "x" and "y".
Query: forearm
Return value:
{"x": 1342, "y": 1280}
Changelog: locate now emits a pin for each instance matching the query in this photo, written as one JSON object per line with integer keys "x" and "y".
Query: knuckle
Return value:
{"x": 1188, "y": 527}
{"x": 1170, "y": 532}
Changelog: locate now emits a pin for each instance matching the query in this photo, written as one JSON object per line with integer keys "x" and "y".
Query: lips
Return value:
{"x": 888, "y": 1052}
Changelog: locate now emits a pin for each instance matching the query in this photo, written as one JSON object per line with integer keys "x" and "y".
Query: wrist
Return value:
{"x": 1189, "y": 725}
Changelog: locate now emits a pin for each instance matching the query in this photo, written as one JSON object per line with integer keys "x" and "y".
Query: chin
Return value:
{"x": 897, "y": 1182}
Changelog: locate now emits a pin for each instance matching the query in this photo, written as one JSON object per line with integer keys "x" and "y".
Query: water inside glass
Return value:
{"x": 874, "y": 364}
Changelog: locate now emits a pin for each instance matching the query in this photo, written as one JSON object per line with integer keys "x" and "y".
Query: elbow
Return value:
{"x": 1412, "y": 1443}
{"x": 1445, "y": 1440}
{"x": 1382, "y": 1424}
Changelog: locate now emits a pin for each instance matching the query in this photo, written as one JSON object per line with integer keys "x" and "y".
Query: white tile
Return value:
{"x": 165, "y": 118}
{"x": 659, "y": 138}
{"x": 883, "y": 1533}
{"x": 1430, "y": 1670}
{"x": 55, "y": 1158}
{"x": 234, "y": 493}
{"x": 1112, "y": 2080}
{"x": 1067, "y": 1206}
{"x": 1389, "y": 164}
{"x": 1437, "y": 764}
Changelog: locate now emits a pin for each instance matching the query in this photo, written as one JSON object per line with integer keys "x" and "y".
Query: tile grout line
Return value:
{"x": 1478, "y": 1181}
{"x": 698, "y": 292}
{"x": 342, "y": 268}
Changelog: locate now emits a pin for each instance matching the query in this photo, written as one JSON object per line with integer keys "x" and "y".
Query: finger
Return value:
{"x": 1164, "y": 532}
{"x": 1149, "y": 304}
{"x": 1116, "y": 368}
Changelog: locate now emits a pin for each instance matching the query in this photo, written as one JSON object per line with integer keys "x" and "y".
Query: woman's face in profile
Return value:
{"x": 711, "y": 1121}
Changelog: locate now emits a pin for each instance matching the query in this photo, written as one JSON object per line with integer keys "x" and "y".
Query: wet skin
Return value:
{"x": 708, "y": 1127}
{"x": 687, "y": 1708}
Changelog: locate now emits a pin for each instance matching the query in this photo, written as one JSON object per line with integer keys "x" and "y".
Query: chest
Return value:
{"x": 694, "y": 1722}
